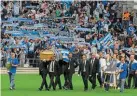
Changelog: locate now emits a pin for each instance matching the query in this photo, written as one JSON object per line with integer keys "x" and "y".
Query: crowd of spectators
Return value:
{"x": 102, "y": 16}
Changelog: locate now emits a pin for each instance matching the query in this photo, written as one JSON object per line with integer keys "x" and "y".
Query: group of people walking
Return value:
{"x": 89, "y": 69}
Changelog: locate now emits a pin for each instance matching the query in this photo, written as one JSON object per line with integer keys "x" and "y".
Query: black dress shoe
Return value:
{"x": 65, "y": 88}
{"x": 85, "y": 89}
{"x": 40, "y": 89}
{"x": 93, "y": 88}
{"x": 71, "y": 88}
{"x": 47, "y": 89}
{"x": 54, "y": 89}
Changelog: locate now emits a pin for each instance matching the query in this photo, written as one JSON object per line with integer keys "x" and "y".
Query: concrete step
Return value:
{"x": 23, "y": 68}
{"x": 22, "y": 71}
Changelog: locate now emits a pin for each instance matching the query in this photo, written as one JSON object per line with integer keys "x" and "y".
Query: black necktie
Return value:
{"x": 92, "y": 63}
{"x": 69, "y": 63}
{"x": 84, "y": 65}
{"x": 52, "y": 65}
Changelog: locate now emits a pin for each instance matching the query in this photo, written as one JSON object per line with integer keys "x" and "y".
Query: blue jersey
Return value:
{"x": 133, "y": 66}
{"x": 14, "y": 62}
{"x": 130, "y": 30}
{"x": 123, "y": 67}
{"x": 65, "y": 54}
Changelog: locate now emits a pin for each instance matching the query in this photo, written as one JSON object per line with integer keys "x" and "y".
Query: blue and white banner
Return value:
{"x": 17, "y": 34}
{"x": 65, "y": 54}
{"x": 106, "y": 39}
{"x": 83, "y": 29}
{"x": 11, "y": 25}
{"x": 65, "y": 39}
{"x": 10, "y": 32}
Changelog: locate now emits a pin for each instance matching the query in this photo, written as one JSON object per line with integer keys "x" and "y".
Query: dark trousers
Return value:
{"x": 135, "y": 80}
{"x": 58, "y": 81}
{"x": 3, "y": 62}
{"x": 107, "y": 80}
{"x": 85, "y": 80}
{"x": 66, "y": 83}
{"x": 52, "y": 83}
{"x": 44, "y": 81}
{"x": 92, "y": 80}
{"x": 70, "y": 80}
{"x": 99, "y": 78}
{"x": 31, "y": 56}
{"x": 68, "y": 77}
{"x": 130, "y": 78}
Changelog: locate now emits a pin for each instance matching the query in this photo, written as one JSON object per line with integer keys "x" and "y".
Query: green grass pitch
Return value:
{"x": 28, "y": 84}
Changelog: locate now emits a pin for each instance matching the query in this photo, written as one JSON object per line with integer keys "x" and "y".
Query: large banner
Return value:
{"x": 65, "y": 39}
{"x": 107, "y": 41}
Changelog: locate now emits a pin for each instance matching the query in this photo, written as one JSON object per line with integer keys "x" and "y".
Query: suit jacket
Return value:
{"x": 94, "y": 67}
{"x": 64, "y": 66}
{"x": 72, "y": 64}
{"x": 60, "y": 67}
{"x": 43, "y": 67}
{"x": 56, "y": 66}
{"x": 81, "y": 67}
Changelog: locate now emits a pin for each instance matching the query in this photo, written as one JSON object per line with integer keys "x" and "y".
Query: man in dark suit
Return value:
{"x": 84, "y": 69}
{"x": 58, "y": 73}
{"x": 64, "y": 71}
{"x": 43, "y": 71}
{"x": 72, "y": 64}
{"x": 94, "y": 64}
{"x": 52, "y": 68}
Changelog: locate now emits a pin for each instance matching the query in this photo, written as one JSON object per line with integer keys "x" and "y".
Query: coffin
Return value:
{"x": 46, "y": 54}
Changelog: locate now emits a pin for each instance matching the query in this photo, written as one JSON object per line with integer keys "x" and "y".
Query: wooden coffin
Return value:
{"x": 47, "y": 55}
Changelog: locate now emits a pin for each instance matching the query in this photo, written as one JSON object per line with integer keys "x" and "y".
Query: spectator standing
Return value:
{"x": 4, "y": 11}
{"x": 12, "y": 71}
{"x": 16, "y": 9}
{"x": 126, "y": 18}
{"x": 123, "y": 73}
{"x": 22, "y": 58}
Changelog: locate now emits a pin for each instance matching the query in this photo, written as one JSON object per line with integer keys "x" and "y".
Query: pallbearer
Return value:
{"x": 72, "y": 64}
{"x": 84, "y": 69}
{"x": 58, "y": 74}
{"x": 65, "y": 61}
{"x": 45, "y": 56}
{"x": 53, "y": 67}
{"x": 43, "y": 71}
{"x": 59, "y": 68}
{"x": 94, "y": 66}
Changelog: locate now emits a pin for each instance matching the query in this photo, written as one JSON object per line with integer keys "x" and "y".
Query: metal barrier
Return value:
{"x": 28, "y": 62}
